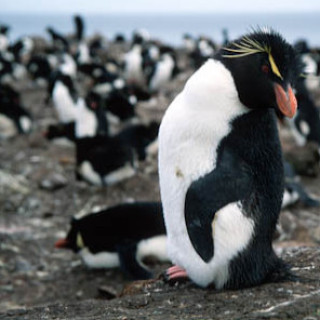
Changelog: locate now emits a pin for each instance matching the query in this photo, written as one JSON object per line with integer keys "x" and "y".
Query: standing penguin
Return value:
{"x": 220, "y": 164}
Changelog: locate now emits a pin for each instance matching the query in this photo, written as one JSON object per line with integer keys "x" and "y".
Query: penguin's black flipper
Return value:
{"x": 229, "y": 182}
{"x": 129, "y": 263}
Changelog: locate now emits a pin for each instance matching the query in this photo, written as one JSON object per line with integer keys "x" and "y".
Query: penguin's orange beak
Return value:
{"x": 62, "y": 243}
{"x": 286, "y": 101}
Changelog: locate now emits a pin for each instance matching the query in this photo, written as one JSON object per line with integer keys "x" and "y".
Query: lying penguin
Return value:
{"x": 107, "y": 160}
{"x": 120, "y": 236}
{"x": 220, "y": 164}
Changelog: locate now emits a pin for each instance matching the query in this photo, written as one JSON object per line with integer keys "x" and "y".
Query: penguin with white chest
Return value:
{"x": 119, "y": 236}
{"x": 220, "y": 164}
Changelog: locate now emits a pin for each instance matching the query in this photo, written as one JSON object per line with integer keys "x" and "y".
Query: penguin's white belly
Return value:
{"x": 64, "y": 104}
{"x": 162, "y": 75}
{"x": 188, "y": 141}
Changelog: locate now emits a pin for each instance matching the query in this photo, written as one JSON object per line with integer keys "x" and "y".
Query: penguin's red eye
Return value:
{"x": 265, "y": 69}
{"x": 93, "y": 105}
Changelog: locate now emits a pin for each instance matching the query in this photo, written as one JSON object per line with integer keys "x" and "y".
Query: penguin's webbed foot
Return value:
{"x": 175, "y": 274}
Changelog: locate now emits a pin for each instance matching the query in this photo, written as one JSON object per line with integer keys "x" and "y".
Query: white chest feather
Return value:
{"x": 4, "y": 42}
{"x": 194, "y": 125}
{"x": 155, "y": 247}
{"x": 190, "y": 132}
{"x": 63, "y": 103}
{"x": 100, "y": 260}
{"x": 162, "y": 74}
{"x": 25, "y": 123}
{"x": 86, "y": 121}
{"x": 133, "y": 64}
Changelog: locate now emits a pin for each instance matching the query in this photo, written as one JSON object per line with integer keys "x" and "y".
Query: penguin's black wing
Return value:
{"x": 129, "y": 263}
{"x": 229, "y": 182}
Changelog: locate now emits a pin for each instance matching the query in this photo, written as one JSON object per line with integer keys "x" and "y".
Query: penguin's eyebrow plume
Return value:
{"x": 249, "y": 46}
{"x": 80, "y": 242}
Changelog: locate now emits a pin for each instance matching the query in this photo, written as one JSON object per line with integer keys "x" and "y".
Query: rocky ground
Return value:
{"x": 39, "y": 194}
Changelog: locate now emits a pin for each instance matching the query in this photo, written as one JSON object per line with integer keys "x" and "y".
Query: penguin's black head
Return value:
{"x": 93, "y": 100}
{"x": 121, "y": 104}
{"x": 39, "y": 67}
{"x": 73, "y": 240}
{"x": 4, "y": 29}
{"x": 264, "y": 67}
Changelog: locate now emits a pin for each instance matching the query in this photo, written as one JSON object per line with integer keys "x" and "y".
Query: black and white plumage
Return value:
{"x": 121, "y": 104}
{"x": 22, "y": 48}
{"x": 88, "y": 119}
{"x": 59, "y": 41}
{"x": 14, "y": 118}
{"x": 294, "y": 191}
{"x": 162, "y": 72}
{"x": 39, "y": 67}
{"x": 119, "y": 236}
{"x": 305, "y": 126}
{"x": 205, "y": 49}
{"x": 64, "y": 96}
{"x": 141, "y": 138}
{"x": 6, "y": 69}
{"x": 133, "y": 64}
{"x": 4, "y": 41}
{"x": 65, "y": 131}
{"x": 91, "y": 119}
{"x": 220, "y": 164}
{"x": 105, "y": 161}
{"x": 311, "y": 65}
{"x": 79, "y": 27}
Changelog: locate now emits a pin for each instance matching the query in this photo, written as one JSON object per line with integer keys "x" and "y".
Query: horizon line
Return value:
{"x": 2, "y": 13}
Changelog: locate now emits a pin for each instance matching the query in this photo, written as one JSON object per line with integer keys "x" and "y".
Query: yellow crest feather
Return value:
{"x": 80, "y": 242}
{"x": 274, "y": 67}
{"x": 249, "y": 46}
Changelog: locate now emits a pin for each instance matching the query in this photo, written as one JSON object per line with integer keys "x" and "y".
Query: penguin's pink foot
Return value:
{"x": 175, "y": 274}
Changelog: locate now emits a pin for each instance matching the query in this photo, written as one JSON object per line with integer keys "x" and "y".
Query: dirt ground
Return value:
{"x": 39, "y": 194}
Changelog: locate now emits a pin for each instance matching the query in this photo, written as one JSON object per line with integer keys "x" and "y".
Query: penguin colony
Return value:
{"x": 221, "y": 204}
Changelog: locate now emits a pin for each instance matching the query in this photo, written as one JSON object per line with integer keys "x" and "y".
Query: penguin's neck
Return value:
{"x": 212, "y": 90}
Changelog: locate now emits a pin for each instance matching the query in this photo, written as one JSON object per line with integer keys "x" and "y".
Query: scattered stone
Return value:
{"x": 22, "y": 265}
{"x": 54, "y": 182}
{"x": 315, "y": 234}
{"x": 137, "y": 287}
{"x": 106, "y": 292}
{"x": 15, "y": 183}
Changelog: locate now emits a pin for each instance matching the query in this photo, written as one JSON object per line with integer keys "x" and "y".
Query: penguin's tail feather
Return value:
{"x": 284, "y": 273}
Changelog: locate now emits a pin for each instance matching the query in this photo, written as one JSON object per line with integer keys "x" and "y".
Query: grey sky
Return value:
{"x": 163, "y": 6}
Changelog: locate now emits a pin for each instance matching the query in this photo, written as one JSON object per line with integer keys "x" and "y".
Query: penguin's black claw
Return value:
{"x": 166, "y": 279}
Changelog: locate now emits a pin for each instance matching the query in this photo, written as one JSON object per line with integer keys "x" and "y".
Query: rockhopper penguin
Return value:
{"x": 119, "y": 236}
{"x": 220, "y": 164}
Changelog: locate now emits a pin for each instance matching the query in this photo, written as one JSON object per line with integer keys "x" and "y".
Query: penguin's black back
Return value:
{"x": 105, "y": 154}
{"x": 120, "y": 225}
